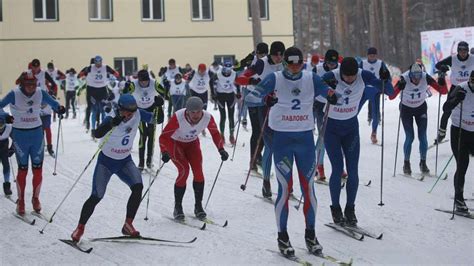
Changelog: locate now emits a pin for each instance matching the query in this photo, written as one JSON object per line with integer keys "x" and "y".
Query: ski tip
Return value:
{"x": 225, "y": 224}
{"x": 368, "y": 184}
{"x": 33, "y": 222}
{"x": 193, "y": 240}
{"x": 380, "y": 236}
{"x": 361, "y": 238}
{"x": 203, "y": 227}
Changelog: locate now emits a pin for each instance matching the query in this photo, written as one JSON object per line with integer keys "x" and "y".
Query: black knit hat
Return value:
{"x": 349, "y": 66}
{"x": 331, "y": 56}
{"x": 372, "y": 50}
{"x": 277, "y": 48}
{"x": 293, "y": 55}
{"x": 462, "y": 45}
{"x": 262, "y": 48}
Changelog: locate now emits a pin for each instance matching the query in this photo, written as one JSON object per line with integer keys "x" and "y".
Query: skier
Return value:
{"x": 96, "y": 93}
{"x": 167, "y": 75}
{"x": 115, "y": 158}
{"x": 224, "y": 93}
{"x": 290, "y": 96}
{"x": 330, "y": 63}
{"x": 312, "y": 64}
{"x": 461, "y": 65}
{"x": 27, "y": 134}
{"x": 253, "y": 75}
{"x": 71, "y": 86}
{"x": 5, "y": 129}
{"x": 179, "y": 142}
{"x": 373, "y": 64}
{"x": 145, "y": 90}
{"x": 413, "y": 85}
{"x": 178, "y": 92}
{"x": 200, "y": 82}
{"x": 353, "y": 86}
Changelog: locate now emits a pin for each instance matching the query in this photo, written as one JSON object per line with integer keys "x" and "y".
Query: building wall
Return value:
{"x": 73, "y": 40}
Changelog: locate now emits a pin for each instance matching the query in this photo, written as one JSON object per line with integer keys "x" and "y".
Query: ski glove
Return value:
{"x": 159, "y": 101}
{"x": 165, "y": 157}
{"x": 460, "y": 95}
{"x": 238, "y": 96}
{"x": 444, "y": 68}
{"x": 384, "y": 74}
{"x": 9, "y": 119}
{"x": 441, "y": 80}
{"x": 117, "y": 120}
{"x": 440, "y": 137}
{"x": 402, "y": 84}
{"x": 270, "y": 100}
{"x": 224, "y": 155}
{"x": 331, "y": 98}
{"x": 254, "y": 81}
{"x": 61, "y": 110}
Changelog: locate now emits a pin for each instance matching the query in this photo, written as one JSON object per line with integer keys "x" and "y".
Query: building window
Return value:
{"x": 45, "y": 10}
{"x": 224, "y": 59}
{"x": 201, "y": 9}
{"x": 1, "y": 10}
{"x": 263, "y": 9}
{"x": 126, "y": 66}
{"x": 152, "y": 10}
{"x": 100, "y": 10}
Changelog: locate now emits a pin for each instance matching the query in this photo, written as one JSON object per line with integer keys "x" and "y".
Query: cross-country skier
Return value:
{"x": 460, "y": 104}
{"x": 373, "y": 64}
{"x": 179, "y": 142}
{"x": 145, "y": 90}
{"x": 167, "y": 75}
{"x": 5, "y": 129}
{"x": 200, "y": 81}
{"x": 413, "y": 85}
{"x": 114, "y": 158}
{"x": 71, "y": 86}
{"x": 353, "y": 86}
{"x": 27, "y": 134}
{"x": 178, "y": 92}
{"x": 290, "y": 96}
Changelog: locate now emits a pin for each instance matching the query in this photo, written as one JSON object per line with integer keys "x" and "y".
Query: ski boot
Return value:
{"x": 141, "y": 166}
{"x": 93, "y": 134}
{"x": 6, "y": 189}
{"x": 128, "y": 228}
{"x": 337, "y": 216}
{"x": 78, "y": 232}
{"x": 322, "y": 176}
{"x": 199, "y": 211}
{"x": 373, "y": 138}
{"x": 424, "y": 168}
{"x": 312, "y": 243}
{"x": 349, "y": 213}
{"x": 149, "y": 163}
{"x": 406, "y": 167}
{"x": 284, "y": 245}
{"x": 266, "y": 189}
{"x": 461, "y": 206}
{"x": 178, "y": 213}
{"x": 244, "y": 123}
{"x": 232, "y": 140}
{"x": 36, "y": 204}
{"x": 74, "y": 116}
{"x": 49, "y": 147}
{"x": 20, "y": 207}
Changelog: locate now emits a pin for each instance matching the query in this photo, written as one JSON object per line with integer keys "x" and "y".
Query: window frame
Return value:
{"x": 1, "y": 10}
{"x": 123, "y": 59}
{"x": 111, "y": 9}
{"x": 201, "y": 19}
{"x": 43, "y": 6}
{"x": 267, "y": 10}
{"x": 222, "y": 58}
{"x": 151, "y": 19}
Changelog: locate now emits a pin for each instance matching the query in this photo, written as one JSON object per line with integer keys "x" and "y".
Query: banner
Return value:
{"x": 439, "y": 44}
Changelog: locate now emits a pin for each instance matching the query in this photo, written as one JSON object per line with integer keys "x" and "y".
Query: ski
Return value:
{"x": 421, "y": 178}
{"x": 463, "y": 214}
{"x": 330, "y": 258}
{"x": 76, "y": 245}
{"x": 254, "y": 173}
{"x": 10, "y": 199}
{"x": 138, "y": 238}
{"x": 364, "y": 232}
{"x": 267, "y": 200}
{"x": 40, "y": 215}
{"x": 211, "y": 222}
{"x": 322, "y": 182}
{"x": 346, "y": 231}
{"x": 434, "y": 144}
{"x": 293, "y": 258}
{"x": 183, "y": 222}
{"x": 24, "y": 218}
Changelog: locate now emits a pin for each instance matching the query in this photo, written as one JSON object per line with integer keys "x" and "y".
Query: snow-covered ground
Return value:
{"x": 413, "y": 232}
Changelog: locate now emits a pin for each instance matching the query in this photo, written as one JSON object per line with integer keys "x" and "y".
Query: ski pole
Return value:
{"x": 57, "y": 144}
{"x": 106, "y": 139}
{"x": 215, "y": 180}
{"x": 383, "y": 144}
{"x": 437, "y": 127}
{"x": 320, "y": 142}
{"x": 254, "y": 156}
{"x": 238, "y": 128}
{"x": 398, "y": 134}
{"x": 155, "y": 113}
{"x": 457, "y": 159}
{"x": 442, "y": 172}
{"x": 13, "y": 168}
{"x": 152, "y": 181}
{"x": 62, "y": 140}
